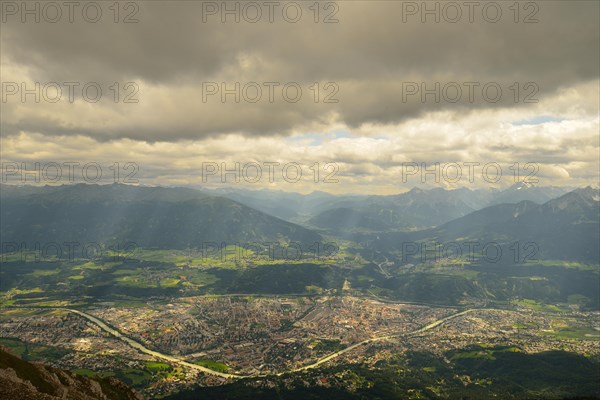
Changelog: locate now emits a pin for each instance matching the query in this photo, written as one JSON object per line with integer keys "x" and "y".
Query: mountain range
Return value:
{"x": 151, "y": 217}
{"x": 421, "y": 209}
{"x": 565, "y": 228}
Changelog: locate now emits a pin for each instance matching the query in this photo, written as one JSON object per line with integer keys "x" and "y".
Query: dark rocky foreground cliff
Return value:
{"x": 23, "y": 380}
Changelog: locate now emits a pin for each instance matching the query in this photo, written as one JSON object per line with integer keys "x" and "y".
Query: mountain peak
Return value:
{"x": 521, "y": 186}
{"x": 589, "y": 192}
{"x": 416, "y": 190}
{"x": 580, "y": 198}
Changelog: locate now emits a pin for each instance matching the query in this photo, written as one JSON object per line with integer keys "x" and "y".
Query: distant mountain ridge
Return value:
{"x": 290, "y": 206}
{"x": 169, "y": 218}
{"x": 565, "y": 228}
{"x": 526, "y": 191}
{"x": 179, "y": 218}
{"x": 420, "y": 209}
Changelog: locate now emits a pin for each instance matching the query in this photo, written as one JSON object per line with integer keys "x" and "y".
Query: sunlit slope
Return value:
{"x": 169, "y": 218}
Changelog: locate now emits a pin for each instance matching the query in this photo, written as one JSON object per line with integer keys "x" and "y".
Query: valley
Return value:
{"x": 295, "y": 304}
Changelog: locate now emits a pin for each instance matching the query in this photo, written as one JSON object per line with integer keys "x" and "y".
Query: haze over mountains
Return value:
{"x": 168, "y": 218}
{"x": 415, "y": 209}
{"x": 565, "y": 228}
{"x": 419, "y": 209}
{"x": 286, "y": 205}
{"x": 179, "y": 218}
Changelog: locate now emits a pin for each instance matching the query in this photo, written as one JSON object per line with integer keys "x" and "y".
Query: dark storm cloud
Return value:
{"x": 370, "y": 54}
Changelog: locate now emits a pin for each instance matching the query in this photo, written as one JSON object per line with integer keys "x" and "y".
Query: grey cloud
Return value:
{"x": 369, "y": 53}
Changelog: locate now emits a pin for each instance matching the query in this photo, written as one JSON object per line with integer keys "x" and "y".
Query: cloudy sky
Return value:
{"x": 361, "y": 91}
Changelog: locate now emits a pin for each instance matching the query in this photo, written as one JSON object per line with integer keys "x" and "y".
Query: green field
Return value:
{"x": 211, "y": 364}
{"x": 33, "y": 352}
{"x": 579, "y": 333}
{"x": 137, "y": 377}
{"x": 539, "y": 306}
{"x": 569, "y": 264}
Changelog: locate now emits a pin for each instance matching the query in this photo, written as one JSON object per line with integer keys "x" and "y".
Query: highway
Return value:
{"x": 378, "y": 339}
{"x": 179, "y": 361}
{"x": 144, "y": 349}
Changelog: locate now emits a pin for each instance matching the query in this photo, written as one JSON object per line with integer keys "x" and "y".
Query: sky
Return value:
{"x": 344, "y": 97}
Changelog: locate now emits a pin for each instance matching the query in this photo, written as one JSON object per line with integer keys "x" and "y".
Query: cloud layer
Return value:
{"x": 364, "y": 75}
